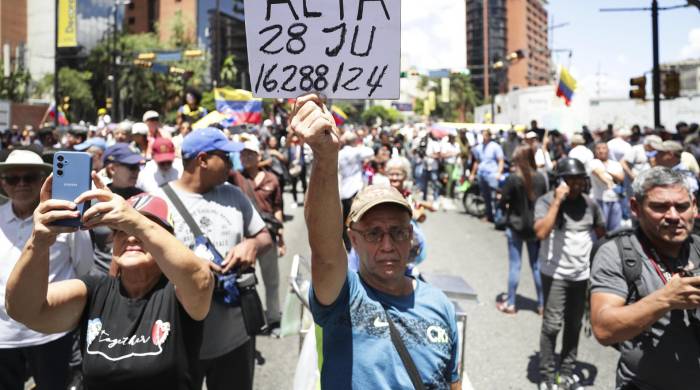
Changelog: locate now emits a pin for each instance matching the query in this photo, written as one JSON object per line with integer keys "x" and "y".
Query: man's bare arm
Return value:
{"x": 613, "y": 321}
{"x": 322, "y": 210}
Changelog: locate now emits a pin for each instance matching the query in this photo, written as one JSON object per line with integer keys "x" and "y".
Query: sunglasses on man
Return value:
{"x": 29, "y": 178}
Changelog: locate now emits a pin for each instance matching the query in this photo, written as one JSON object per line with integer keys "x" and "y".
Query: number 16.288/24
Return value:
{"x": 292, "y": 78}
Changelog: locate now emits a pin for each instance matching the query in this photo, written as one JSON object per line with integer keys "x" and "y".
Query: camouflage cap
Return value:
{"x": 668, "y": 146}
{"x": 375, "y": 195}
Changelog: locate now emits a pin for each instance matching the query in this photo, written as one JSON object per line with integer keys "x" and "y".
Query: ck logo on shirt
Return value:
{"x": 100, "y": 342}
{"x": 437, "y": 335}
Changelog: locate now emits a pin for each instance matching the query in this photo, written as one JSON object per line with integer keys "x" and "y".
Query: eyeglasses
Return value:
{"x": 376, "y": 235}
{"x": 29, "y": 178}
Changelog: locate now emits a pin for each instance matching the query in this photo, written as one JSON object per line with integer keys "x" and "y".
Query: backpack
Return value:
{"x": 631, "y": 267}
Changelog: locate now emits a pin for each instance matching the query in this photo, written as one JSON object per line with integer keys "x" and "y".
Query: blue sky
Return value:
{"x": 619, "y": 45}
{"x": 608, "y": 48}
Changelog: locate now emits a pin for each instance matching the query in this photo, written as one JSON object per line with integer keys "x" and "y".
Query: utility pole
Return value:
{"x": 113, "y": 66}
{"x": 56, "y": 97}
{"x": 217, "y": 45}
{"x": 656, "y": 75}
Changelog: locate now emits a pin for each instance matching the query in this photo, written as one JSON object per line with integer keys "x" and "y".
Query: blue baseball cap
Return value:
{"x": 94, "y": 141}
{"x": 121, "y": 153}
{"x": 207, "y": 140}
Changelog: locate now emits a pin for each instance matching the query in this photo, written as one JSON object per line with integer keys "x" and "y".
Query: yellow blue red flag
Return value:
{"x": 238, "y": 106}
{"x": 566, "y": 85}
{"x": 338, "y": 115}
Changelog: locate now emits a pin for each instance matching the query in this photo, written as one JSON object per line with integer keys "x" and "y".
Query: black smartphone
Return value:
{"x": 71, "y": 177}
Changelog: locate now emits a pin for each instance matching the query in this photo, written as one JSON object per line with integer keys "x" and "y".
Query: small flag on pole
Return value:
{"x": 566, "y": 85}
{"x": 338, "y": 115}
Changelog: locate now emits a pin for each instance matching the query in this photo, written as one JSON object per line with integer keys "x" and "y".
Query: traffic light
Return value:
{"x": 193, "y": 53}
{"x": 108, "y": 103}
{"x": 671, "y": 84}
{"x": 147, "y": 56}
{"x": 65, "y": 106}
{"x": 639, "y": 87}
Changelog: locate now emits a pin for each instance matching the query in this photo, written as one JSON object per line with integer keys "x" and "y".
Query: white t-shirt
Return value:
{"x": 599, "y": 189}
{"x": 350, "y": 160}
{"x": 450, "y": 149}
{"x": 432, "y": 149}
{"x": 543, "y": 160}
{"x": 226, "y": 217}
{"x": 617, "y": 147}
{"x": 70, "y": 256}
{"x": 637, "y": 159}
{"x": 150, "y": 177}
{"x": 582, "y": 154}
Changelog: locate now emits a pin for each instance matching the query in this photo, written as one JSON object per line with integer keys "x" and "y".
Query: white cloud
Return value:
{"x": 91, "y": 30}
{"x": 433, "y": 36}
{"x": 692, "y": 48}
{"x": 602, "y": 85}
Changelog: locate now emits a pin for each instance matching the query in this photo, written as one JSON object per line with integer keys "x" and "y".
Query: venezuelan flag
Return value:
{"x": 566, "y": 86}
{"x": 51, "y": 114}
{"x": 238, "y": 106}
{"x": 338, "y": 115}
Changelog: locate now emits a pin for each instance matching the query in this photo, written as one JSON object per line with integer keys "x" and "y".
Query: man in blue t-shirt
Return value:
{"x": 488, "y": 170}
{"x": 359, "y": 311}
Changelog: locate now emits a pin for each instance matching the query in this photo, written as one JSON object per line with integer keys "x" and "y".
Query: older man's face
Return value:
{"x": 23, "y": 185}
{"x": 382, "y": 240}
{"x": 666, "y": 213}
{"x": 667, "y": 159}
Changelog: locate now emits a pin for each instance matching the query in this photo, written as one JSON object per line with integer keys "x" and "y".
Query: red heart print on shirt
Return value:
{"x": 160, "y": 332}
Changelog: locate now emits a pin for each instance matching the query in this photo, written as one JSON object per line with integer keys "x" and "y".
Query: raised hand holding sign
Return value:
{"x": 314, "y": 125}
{"x": 345, "y": 49}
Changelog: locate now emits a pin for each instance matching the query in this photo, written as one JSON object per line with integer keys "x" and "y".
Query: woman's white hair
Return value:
{"x": 401, "y": 163}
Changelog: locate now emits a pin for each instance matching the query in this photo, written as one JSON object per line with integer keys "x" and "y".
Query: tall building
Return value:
{"x": 486, "y": 40}
{"x": 528, "y": 30}
{"x": 496, "y": 28}
{"x": 13, "y": 30}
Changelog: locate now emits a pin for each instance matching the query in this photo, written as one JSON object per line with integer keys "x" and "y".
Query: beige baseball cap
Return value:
{"x": 375, "y": 195}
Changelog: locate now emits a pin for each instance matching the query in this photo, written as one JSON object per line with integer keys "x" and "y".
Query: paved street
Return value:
{"x": 501, "y": 349}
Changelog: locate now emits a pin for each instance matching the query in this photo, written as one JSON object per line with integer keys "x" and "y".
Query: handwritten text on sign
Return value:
{"x": 345, "y": 49}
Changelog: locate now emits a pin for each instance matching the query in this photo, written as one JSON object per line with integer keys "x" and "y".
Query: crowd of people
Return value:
{"x": 127, "y": 300}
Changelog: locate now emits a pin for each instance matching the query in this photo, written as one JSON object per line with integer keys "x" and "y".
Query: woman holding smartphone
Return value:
{"x": 140, "y": 326}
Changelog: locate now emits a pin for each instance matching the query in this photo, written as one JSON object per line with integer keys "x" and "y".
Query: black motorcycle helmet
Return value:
{"x": 570, "y": 167}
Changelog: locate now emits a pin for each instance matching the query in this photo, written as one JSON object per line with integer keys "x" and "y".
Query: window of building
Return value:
{"x": 131, "y": 20}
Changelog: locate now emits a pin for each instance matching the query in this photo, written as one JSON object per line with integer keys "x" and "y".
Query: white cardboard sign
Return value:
{"x": 345, "y": 49}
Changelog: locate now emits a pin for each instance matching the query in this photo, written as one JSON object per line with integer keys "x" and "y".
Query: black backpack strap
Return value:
{"x": 403, "y": 353}
{"x": 170, "y": 193}
{"x": 631, "y": 265}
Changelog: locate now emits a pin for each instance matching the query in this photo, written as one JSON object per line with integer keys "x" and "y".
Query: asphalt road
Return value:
{"x": 501, "y": 350}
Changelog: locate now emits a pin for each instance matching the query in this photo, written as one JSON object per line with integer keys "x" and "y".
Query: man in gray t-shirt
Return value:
{"x": 228, "y": 219}
{"x": 565, "y": 221}
{"x": 652, "y": 318}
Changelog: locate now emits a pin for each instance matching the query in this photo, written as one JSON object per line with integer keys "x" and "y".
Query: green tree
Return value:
{"x": 75, "y": 84}
{"x": 141, "y": 88}
{"x": 16, "y": 86}
{"x": 463, "y": 97}
{"x": 387, "y": 115}
{"x": 229, "y": 72}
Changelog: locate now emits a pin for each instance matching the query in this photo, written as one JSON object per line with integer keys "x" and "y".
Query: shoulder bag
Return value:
{"x": 232, "y": 289}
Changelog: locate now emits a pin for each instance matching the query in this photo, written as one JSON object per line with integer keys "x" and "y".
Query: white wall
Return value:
{"x": 541, "y": 104}
{"x": 40, "y": 37}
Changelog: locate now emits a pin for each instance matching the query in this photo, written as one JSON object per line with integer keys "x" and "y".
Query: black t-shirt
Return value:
{"x": 520, "y": 215}
{"x": 147, "y": 343}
